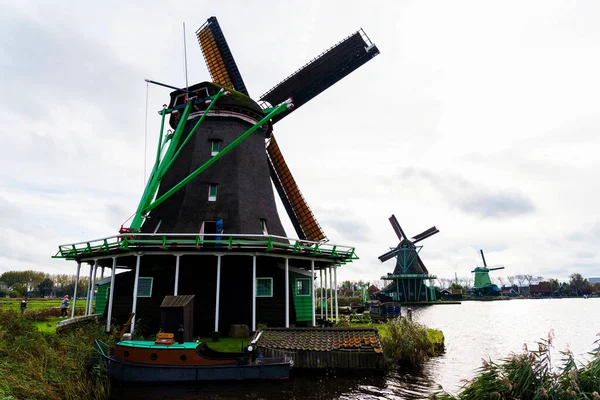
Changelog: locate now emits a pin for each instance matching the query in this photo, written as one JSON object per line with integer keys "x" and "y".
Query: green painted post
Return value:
{"x": 279, "y": 109}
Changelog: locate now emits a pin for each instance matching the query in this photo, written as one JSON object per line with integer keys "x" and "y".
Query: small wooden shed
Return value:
{"x": 175, "y": 311}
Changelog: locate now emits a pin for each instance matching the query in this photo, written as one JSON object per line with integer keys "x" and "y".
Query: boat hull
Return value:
{"x": 138, "y": 372}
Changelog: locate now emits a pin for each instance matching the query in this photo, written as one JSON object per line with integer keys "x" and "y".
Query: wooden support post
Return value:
{"x": 176, "y": 288}
{"x": 111, "y": 294}
{"x": 92, "y": 288}
{"x": 253, "y": 293}
{"x": 87, "y": 295}
{"x": 138, "y": 261}
{"x": 321, "y": 291}
{"x": 336, "y": 293}
{"x": 312, "y": 292}
{"x": 216, "y": 332}
{"x": 326, "y": 298}
{"x": 75, "y": 293}
{"x": 287, "y": 293}
{"x": 330, "y": 292}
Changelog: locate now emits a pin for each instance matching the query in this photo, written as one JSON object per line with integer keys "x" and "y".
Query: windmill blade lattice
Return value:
{"x": 300, "y": 214}
{"x": 218, "y": 57}
{"x": 322, "y": 72}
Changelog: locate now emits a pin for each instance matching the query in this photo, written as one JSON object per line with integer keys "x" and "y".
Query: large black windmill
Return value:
{"x": 207, "y": 223}
{"x": 235, "y": 195}
{"x": 407, "y": 280}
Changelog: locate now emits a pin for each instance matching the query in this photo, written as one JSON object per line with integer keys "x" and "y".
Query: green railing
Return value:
{"x": 186, "y": 242}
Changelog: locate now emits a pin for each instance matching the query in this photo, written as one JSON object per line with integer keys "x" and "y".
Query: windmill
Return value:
{"x": 483, "y": 283}
{"x": 246, "y": 200}
{"x": 207, "y": 223}
{"x": 410, "y": 271}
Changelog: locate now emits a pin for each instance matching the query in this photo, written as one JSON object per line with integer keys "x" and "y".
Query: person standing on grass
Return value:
{"x": 23, "y": 305}
{"x": 64, "y": 306}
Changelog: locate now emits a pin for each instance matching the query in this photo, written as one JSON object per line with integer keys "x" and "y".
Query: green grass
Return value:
{"x": 230, "y": 345}
{"x": 48, "y": 326}
{"x": 37, "y": 304}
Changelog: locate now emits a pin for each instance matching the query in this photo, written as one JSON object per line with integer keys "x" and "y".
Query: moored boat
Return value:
{"x": 165, "y": 361}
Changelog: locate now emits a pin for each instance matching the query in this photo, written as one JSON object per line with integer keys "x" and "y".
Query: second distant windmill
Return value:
{"x": 483, "y": 283}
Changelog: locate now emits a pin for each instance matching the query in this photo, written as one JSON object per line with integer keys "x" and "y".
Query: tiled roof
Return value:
{"x": 177, "y": 301}
{"x": 325, "y": 339}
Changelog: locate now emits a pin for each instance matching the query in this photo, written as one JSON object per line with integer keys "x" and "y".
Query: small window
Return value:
{"x": 303, "y": 287}
{"x": 264, "y": 287}
{"x": 215, "y": 146}
{"x": 263, "y": 226}
{"x": 212, "y": 192}
{"x": 145, "y": 287}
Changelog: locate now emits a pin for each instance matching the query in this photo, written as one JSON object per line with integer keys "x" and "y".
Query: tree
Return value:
{"x": 501, "y": 281}
{"x": 554, "y": 284}
{"x": 529, "y": 279}
{"x": 45, "y": 287}
{"x": 578, "y": 283}
{"x": 520, "y": 280}
{"x": 511, "y": 280}
{"x": 10, "y": 278}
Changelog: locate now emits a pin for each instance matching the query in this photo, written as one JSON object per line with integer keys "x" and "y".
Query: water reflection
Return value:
{"x": 409, "y": 384}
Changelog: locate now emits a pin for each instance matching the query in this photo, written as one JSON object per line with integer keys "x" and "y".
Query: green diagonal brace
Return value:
{"x": 277, "y": 110}
{"x": 152, "y": 185}
{"x": 189, "y": 136}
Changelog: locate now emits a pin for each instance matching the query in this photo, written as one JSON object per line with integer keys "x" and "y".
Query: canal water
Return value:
{"x": 474, "y": 330}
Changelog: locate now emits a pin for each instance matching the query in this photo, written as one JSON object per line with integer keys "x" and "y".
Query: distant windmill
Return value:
{"x": 410, "y": 271}
{"x": 483, "y": 283}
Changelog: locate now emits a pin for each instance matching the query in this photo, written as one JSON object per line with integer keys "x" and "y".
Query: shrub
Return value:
{"x": 406, "y": 342}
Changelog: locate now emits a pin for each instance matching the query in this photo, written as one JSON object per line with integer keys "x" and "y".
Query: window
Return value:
{"x": 264, "y": 287}
{"x": 215, "y": 146}
{"x": 145, "y": 287}
{"x": 263, "y": 226}
{"x": 212, "y": 192}
{"x": 303, "y": 287}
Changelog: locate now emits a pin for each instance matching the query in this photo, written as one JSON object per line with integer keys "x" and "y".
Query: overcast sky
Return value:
{"x": 478, "y": 117}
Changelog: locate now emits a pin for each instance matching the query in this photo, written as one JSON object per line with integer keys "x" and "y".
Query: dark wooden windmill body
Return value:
{"x": 207, "y": 223}
{"x": 410, "y": 281}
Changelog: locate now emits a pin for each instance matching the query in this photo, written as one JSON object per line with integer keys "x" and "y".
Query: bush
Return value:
{"x": 531, "y": 376}
{"x": 14, "y": 294}
{"x": 407, "y": 342}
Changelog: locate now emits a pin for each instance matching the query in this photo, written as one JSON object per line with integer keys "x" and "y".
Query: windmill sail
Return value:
{"x": 303, "y": 220}
{"x": 218, "y": 57}
{"x": 322, "y": 72}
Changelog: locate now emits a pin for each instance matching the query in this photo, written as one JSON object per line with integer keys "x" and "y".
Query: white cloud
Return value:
{"x": 476, "y": 118}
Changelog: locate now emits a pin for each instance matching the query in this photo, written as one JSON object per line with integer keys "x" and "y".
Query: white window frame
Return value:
{"x": 263, "y": 226}
{"x": 264, "y": 279}
{"x": 298, "y": 280}
{"x": 151, "y": 286}
{"x": 214, "y": 142}
{"x": 210, "y": 196}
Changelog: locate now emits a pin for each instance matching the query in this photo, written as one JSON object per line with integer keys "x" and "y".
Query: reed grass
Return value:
{"x": 531, "y": 375}
{"x": 407, "y": 342}
{"x": 40, "y": 365}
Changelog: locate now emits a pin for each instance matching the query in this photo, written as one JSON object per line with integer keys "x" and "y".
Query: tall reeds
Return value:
{"x": 38, "y": 365}
{"x": 532, "y": 376}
